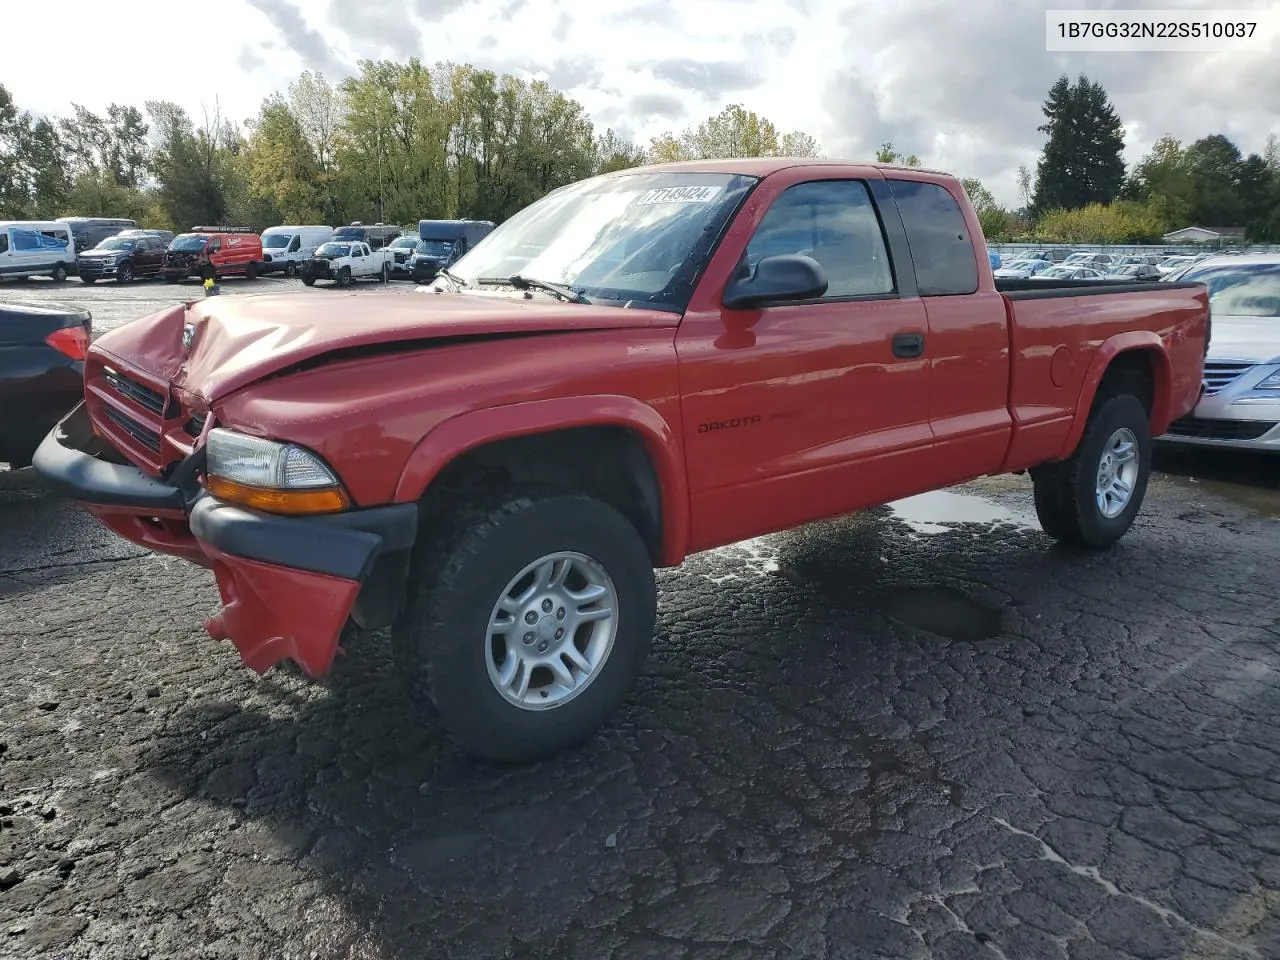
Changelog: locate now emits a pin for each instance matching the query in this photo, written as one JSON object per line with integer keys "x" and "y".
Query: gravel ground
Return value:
{"x": 923, "y": 731}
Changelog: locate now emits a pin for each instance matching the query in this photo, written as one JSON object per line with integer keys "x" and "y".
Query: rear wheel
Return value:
{"x": 309, "y": 281}
{"x": 529, "y": 619}
{"x": 251, "y": 271}
{"x": 290, "y": 269}
{"x": 1091, "y": 499}
{"x": 59, "y": 272}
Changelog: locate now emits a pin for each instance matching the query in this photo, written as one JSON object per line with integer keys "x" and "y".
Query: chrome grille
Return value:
{"x": 142, "y": 395}
{"x": 1219, "y": 373}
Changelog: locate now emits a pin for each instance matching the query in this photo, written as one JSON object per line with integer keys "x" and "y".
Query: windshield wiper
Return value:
{"x": 567, "y": 294}
{"x": 450, "y": 276}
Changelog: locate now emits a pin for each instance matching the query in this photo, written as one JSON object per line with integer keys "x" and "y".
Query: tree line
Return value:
{"x": 399, "y": 142}
{"x": 395, "y": 143}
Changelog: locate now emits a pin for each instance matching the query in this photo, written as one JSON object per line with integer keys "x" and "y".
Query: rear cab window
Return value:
{"x": 835, "y": 223}
{"x": 938, "y": 237}
{"x": 4, "y": 242}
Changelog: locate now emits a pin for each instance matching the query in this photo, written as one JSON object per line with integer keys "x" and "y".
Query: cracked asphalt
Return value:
{"x": 920, "y": 732}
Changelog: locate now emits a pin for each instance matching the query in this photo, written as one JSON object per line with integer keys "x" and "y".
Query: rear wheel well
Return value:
{"x": 1132, "y": 372}
{"x": 606, "y": 462}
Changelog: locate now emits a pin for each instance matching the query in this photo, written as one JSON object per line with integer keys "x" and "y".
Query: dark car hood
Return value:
{"x": 241, "y": 339}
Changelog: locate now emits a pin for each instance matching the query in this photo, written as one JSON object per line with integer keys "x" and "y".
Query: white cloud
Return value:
{"x": 959, "y": 83}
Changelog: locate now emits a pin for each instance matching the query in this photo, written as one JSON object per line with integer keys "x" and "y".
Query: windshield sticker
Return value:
{"x": 679, "y": 195}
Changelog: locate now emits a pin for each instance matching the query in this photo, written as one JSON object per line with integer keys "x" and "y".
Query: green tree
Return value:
{"x": 733, "y": 132}
{"x": 1214, "y": 163}
{"x": 193, "y": 165}
{"x": 886, "y": 154}
{"x": 1082, "y": 161}
{"x": 612, "y": 152}
{"x": 280, "y": 166}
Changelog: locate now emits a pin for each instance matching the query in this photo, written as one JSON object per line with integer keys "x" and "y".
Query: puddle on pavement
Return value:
{"x": 942, "y": 611}
{"x": 941, "y": 510}
{"x": 1258, "y": 499}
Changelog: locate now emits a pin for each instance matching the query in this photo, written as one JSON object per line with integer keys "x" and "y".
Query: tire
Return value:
{"x": 309, "y": 281}
{"x": 1067, "y": 493}
{"x": 251, "y": 271}
{"x": 124, "y": 274}
{"x": 59, "y": 272}
{"x": 386, "y": 274}
{"x": 88, "y": 281}
{"x": 290, "y": 269}
{"x": 208, "y": 273}
{"x": 453, "y": 662}
{"x": 344, "y": 276}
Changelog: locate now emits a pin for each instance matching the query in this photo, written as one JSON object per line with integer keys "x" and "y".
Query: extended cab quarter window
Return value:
{"x": 4, "y": 243}
{"x": 941, "y": 248}
{"x": 835, "y": 223}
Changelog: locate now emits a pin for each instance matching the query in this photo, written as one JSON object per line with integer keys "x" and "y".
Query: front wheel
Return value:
{"x": 124, "y": 274}
{"x": 309, "y": 281}
{"x": 290, "y": 269}
{"x": 529, "y": 620}
{"x": 251, "y": 271}
{"x": 1092, "y": 498}
{"x": 386, "y": 273}
{"x": 344, "y": 276}
{"x": 207, "y": 273}
{"x": 59, "y": 272}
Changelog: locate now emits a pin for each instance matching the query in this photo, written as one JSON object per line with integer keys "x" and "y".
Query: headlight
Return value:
{"x": 1269, "y": 383}
{"x": 270, "y": 476}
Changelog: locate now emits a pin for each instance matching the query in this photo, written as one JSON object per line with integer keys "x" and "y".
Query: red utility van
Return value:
{"x": 212, "y": 252}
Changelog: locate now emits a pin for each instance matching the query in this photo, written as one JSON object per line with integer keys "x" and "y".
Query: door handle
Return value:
{"x": 908, "y": 345}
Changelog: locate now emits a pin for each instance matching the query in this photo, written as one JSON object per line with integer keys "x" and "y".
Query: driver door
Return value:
{"x": 809, "y": 409}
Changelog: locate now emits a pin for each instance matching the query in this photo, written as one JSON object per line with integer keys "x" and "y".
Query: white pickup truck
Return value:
{"x": 344, "y": 261}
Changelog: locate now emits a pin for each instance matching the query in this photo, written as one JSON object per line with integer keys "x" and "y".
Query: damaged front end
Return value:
{"x": 135, "y": 453}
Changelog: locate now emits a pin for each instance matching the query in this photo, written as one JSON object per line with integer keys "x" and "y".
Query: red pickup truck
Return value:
{"x": 636, "y": 367}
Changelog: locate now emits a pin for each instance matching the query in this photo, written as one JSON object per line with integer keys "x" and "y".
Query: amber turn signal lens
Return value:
{"x": 287, "y": 502}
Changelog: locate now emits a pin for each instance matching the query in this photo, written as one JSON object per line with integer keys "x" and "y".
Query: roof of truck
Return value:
{"x": 764, "y": 166}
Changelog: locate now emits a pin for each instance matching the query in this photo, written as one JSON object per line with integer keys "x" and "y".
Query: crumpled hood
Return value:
{"x": 1256, "y": 339}
{"x": 238, "y": 340}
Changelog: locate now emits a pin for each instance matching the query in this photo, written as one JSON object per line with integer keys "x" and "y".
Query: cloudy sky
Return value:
{"x": 959, "y": 82}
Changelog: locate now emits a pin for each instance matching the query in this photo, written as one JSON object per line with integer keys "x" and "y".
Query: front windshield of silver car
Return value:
{"x": 632, "y": 238}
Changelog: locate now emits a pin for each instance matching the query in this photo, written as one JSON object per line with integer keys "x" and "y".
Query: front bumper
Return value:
{"x": 288, "y": 585}
{"x": 97, "y": 270}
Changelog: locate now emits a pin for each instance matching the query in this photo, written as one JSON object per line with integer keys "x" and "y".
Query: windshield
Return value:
{"x": 631, "y": 237}
{"x": 189, "y": 243}
{"x": 1240, "y": 289}
{"x": 333, "y": 250}
{"x": 276, "y": 241}
{"x": 435, "y": 248}
{"x": 404, "y": 243}
{"x": 116, "y": 243}
{"x": 1057, "y": 273}
{"x": 349, "y": 233}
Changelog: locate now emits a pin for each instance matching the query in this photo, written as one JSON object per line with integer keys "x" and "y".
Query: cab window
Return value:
{"x": 938, "y": 238}
{"x": 835, "y": 223}
{"x": 4, "y": 243}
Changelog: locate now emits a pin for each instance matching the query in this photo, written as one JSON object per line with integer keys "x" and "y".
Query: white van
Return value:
{"x": 32, "y": 248}
{"x": 284, "y": 248}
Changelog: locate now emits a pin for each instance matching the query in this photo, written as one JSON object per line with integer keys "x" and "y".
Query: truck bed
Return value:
{"x": 1056, "y": 328}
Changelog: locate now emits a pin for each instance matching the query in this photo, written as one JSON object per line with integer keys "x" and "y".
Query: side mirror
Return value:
{"x": 778, "y": 279}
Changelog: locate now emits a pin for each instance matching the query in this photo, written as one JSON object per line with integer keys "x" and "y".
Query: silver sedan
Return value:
{"x": 1240, "y": 407}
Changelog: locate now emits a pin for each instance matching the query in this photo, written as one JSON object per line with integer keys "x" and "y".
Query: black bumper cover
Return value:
{"x": 372, "y": 545}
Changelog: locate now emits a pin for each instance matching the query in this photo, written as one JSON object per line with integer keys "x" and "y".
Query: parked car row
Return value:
{"x": 1087, "y": 265}
{"x": 116, "y": 249}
